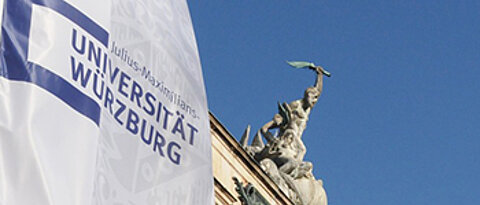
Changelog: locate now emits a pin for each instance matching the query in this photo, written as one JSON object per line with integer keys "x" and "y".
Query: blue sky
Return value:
{"x": 398, "y": 121}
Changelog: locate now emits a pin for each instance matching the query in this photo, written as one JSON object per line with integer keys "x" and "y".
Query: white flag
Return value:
{"x": 102, "y": 102}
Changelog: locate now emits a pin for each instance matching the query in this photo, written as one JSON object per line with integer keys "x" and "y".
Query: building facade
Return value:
{"x": 239, "y": 179}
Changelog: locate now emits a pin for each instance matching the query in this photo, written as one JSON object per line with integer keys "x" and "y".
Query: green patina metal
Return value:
{"x": 249, "y": 195}
{"x": 309, "y": 65}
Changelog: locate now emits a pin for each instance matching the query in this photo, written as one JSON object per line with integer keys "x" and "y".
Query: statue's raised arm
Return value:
{"x": 319, "y": 81}
{"x": 316, "y": 90}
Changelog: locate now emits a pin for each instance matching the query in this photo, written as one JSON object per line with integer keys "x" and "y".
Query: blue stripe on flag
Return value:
{"x": 77, "y": 17}
{"x": 65, "y": 91}
{"x": 14, "y": 48}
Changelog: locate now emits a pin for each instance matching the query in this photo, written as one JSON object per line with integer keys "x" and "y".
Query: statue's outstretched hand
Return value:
{"x": 320, "y": 70}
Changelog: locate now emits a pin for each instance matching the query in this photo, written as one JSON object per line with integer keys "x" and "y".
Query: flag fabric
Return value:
{"x": 102, "y": 102}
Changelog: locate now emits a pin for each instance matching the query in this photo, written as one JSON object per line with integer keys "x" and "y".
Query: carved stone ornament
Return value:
{"x": 282, "y": 155}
